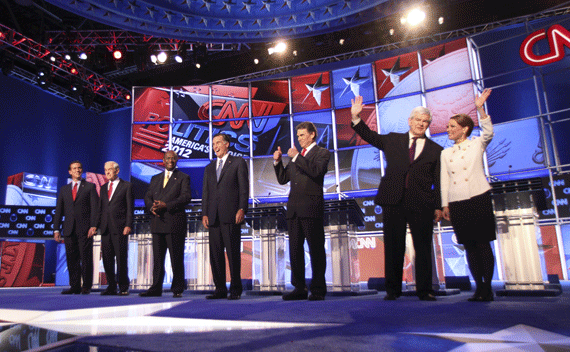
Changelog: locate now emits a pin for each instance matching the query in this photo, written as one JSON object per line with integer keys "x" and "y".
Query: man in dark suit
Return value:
{"x": 224, "y": 204}
{"x": 116, "y": 207}
{"x": 305, "y": 211}
{"x": 166, "y": 199}
{"x": 78, "y": 202}
{"x": 409, "y": 194}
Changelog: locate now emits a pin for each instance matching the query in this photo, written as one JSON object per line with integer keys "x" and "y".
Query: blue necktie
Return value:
{"x": 219, "y": 169}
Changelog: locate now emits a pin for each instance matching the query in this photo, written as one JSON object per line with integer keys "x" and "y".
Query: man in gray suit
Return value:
{"x": 305, "y": 211}
{"x": 224, "y": 205}
{"x": 116, "y": 206}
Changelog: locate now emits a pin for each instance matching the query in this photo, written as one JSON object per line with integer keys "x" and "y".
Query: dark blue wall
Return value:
{"x": 41, "y": 133}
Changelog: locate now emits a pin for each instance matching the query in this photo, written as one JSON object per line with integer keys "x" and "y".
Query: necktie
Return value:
{"x": 303, "y": 152}
{"x": 219, "y": 169}
{"x": 110, "y": 190}
{"x": 413, "y": 149}
{"x": 74, "y": 190}
{"x": 166, "y": 177}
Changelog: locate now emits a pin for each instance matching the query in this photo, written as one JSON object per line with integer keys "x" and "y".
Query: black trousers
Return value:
{"x": 115, "y": 246}
{"x": 79, "y": 254}
{"x": 174, "y": 243}
{"x": 226, "y": 237}
{"x": 421, "y": 227}
{"x": 312, "y": 230}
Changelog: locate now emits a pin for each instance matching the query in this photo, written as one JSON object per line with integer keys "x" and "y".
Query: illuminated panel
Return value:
{"x": 270, "y": 132}
{"x": 151, "y": 117}
{"x": 359, "y": 168}
{"x": 394, "y": 113}
{"x": 446, "y": 64}
{"x": 191, "y": 140}
{"x": 346, "y": 137}
{"x": 311, "y": 92}
{"x": 270, "y": 97}
{"x": 397, "y": 75}
{"x": 351, "y": 82}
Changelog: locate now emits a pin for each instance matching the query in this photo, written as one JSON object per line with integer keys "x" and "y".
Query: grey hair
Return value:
{"x": 420, "y": 110}
{"x": 114, "y": 164}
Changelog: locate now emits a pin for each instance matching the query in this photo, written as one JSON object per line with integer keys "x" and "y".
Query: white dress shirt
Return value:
{"x": 462, "y": 170}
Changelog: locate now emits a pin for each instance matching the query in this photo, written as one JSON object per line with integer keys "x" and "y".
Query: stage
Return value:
{"x": 36, "y": 316}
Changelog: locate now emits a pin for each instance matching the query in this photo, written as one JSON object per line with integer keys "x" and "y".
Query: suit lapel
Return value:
{"x": 224, "y": 167}
{"x": 79, "y": 189}
{"x": 115, "y": 192}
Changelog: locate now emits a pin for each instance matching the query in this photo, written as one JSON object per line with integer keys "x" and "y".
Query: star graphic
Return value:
{"x": 354, "y": 83}
{"x": 395, "y": 73}
{"x": 516, "y": 338}
{"x": 316, "y": 89}
{"x": 440, "y": 54}
{"x": 131, "y": 319}
{"x": 247, "y": 5}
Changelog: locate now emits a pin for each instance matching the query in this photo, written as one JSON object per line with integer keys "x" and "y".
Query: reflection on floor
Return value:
{"x": 42, "y": 319}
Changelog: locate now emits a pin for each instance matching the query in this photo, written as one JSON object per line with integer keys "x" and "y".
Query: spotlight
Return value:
{"x": 75, "y": 87}
{"x": 178, "y": 58}
{"x": 43, "y": 77}
{"x": 181, "y": 53}
{"x": 391, "y": 31}
{"x": 73, "y": 71}
{"x": 278, "y": 48}
{"x": 153, "y": 58}
{"x": 128, "y": 97}
{"x": 415, "y": 17}
{"x": 198, "y": 65}
{"x": 256, "y": 61}
{"x": 162, "y": 57}
{"x": 117, "y": 54}
{"x": 341, "y": 41}
{"x": 83, "y": 56}
{"x": 294, "y": 52}
{"x": 440, "y": 20}
{"x": 67, "y": 57}
{"x": 52, "y": 58}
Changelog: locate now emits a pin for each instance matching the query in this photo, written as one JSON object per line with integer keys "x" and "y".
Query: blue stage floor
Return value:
{"x": 45, "y": 320}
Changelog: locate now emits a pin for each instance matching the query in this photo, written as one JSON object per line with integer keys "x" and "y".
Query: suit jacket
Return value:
{"x": 307, "y": 176}
{"x": 80, "y": 214}
{"x": 116, "y": 214}
{"x": 423, "y": 172}
{"x": 225, "y": 197}
{"x": 176, "y": 195}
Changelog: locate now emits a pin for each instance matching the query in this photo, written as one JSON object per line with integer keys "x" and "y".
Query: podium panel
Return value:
{"x": 197, "y": 256}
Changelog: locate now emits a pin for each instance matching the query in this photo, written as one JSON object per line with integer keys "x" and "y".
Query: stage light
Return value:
{"x": 162, "y": 57}
{"x": 341, "y": 41}
{"x": 294, "y": 52}
{"x": 75, "y": 87}
{"x": 278, "y": 48}
{"x": 82, "y": 56}
{"x": 43, "y": 77}
{"x": 415, "y": 17}
{"x": 182, "y": 52}
{"x": 128, "y": 97}
{"x": 73, "y": 71}
{"x": 391, "y": 31}
{"x": 198, "y": 65}
{"x": 117, "y": 54}
{"x": 178, "y": 58}
{"x": 67, "y": 57}
{"x": 52, "y": 58}
{"x": 153, "y": 58}
{"x": 440, "y": 20}
{"x": 256, "y": 61}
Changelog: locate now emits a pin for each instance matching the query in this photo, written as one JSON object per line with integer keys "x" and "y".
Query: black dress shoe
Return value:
{"x": 108, "y": 292}
{"x": 316, "y": 297}
{"x": 124, "y": 293}
{"x": 296, "y": 295}
{"x": 85, "y": 291}
{"x": 177, "y": 295}
{"x": 391, "y": 297}
{"x": 217, "y": 295}
{"x": 150, "y": 294}
{"x": 233, "y": 296}
{"x": 71, "y": 291}
{"x": 428, "y": 297}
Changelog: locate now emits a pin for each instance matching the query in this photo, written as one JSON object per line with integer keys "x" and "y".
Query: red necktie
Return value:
{"x": 74, "y": 191}
{"x": 110, "y": 191}
{"x": 303, "y": 152}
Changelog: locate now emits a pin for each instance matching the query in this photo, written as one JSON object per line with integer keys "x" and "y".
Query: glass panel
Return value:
{"x": 270, "y": 97}
{"x": 359, "y": 168}
{"x": 311, "y": 92}
{"x": 444, "y": 103}
{"x": 346, "y": 137}
{"x": 270, "y": 132}
{"x": 394, "y": 113}
{"x": 397, "y": 75}
{"x": 351, "y": 82}
{"x": 323, "y": 123}
{"x": 446, "y": 64}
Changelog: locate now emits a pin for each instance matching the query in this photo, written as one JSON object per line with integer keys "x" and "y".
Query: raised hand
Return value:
{"x": 356, "y": 107}
{"x": 277, "y": 155}
{"x": 482, "y": 98}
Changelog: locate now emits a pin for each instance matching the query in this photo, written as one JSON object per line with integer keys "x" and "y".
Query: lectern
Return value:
{"x": 141, "y": 241}
{"x": 269, "y": 245}
{"x": 515, "y": 204}
{"x": 197, "y": 255}
{"x": 341, "y": 220}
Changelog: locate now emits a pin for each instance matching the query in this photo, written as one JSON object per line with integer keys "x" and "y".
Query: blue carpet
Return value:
{"x": 345, "y": 323}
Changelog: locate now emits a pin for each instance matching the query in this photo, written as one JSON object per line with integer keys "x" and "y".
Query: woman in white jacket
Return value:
{"x": 466, "y": 196}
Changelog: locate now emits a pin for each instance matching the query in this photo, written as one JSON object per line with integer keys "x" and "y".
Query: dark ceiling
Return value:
{"x": 223, "y": 35}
